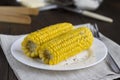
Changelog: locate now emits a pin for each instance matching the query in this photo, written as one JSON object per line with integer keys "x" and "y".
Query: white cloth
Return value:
{"x": 100, "y": 71}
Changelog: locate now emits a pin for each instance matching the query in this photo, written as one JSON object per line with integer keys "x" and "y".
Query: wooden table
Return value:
{"x": 108, "y": 8}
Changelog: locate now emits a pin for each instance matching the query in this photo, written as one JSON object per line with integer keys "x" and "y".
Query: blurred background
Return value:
{"x": 110, "y": 8}
{"x": 14, "y": 2}
{"x": 7, "y": 2}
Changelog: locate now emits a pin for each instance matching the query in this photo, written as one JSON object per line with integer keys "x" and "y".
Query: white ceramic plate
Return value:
{"x": 88, "y": 58}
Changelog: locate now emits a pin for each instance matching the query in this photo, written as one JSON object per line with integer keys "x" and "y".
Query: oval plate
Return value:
{"x": 88, "y": 58}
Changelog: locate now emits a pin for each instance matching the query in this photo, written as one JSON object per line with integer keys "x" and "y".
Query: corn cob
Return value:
{"x": 37, "y": 38}
{"x": 66, "y": 46}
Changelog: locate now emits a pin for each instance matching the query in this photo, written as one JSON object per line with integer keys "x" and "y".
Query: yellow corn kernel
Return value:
{"x": 37, "y": 38}
{"x": 66, "y": 46}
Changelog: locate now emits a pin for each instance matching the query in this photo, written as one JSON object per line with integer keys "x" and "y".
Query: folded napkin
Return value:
{"x": 100, "y": 71}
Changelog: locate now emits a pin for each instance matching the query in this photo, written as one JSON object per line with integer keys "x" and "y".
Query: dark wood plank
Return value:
{"x": 11, "y": 75}
{"x": 110, "y": 30}
{"x": 3, "y": 66}
{"x": 50, "y": 17}
{"x": 18, "y": 29}
{"x": 4, "y": 28}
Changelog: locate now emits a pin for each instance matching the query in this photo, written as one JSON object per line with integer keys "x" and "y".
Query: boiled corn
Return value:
{"x": 66, "y": 46}
{"x": 33, "y": 40}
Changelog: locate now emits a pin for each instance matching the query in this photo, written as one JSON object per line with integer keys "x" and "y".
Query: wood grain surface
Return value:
{"x": 111, "y": 30}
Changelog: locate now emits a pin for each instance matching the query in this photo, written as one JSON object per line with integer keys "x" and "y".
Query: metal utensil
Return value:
{"x": 89, "y": 14}
{"x": 109, "y": 59}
